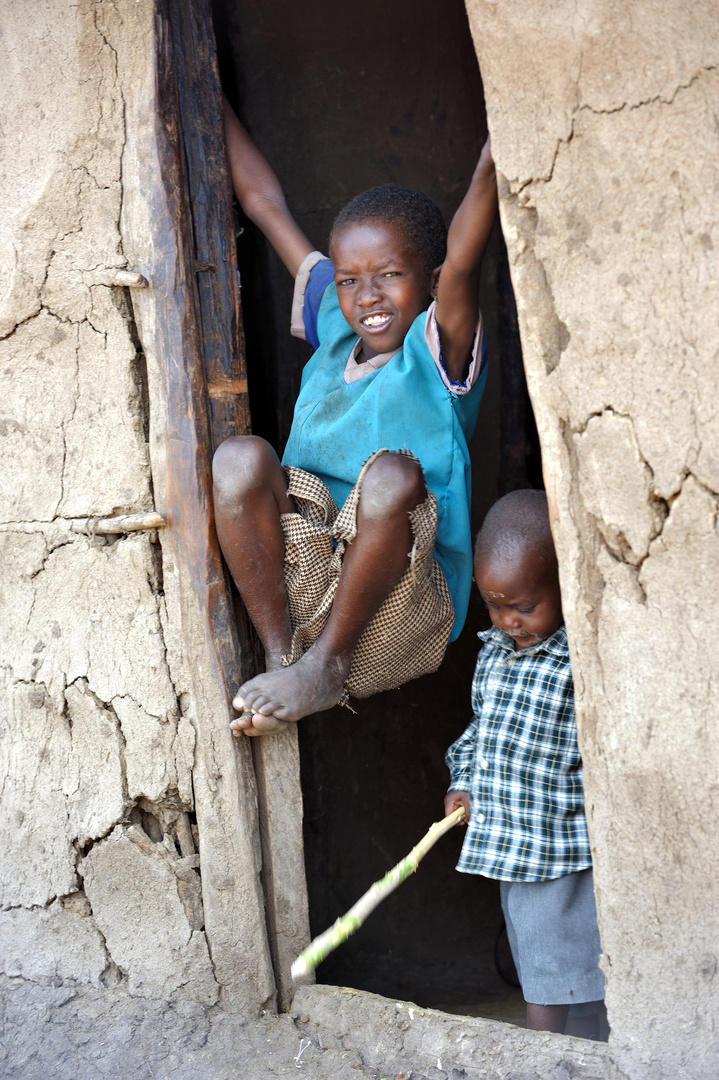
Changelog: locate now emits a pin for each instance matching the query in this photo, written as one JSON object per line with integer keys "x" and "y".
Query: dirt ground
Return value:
{"x": 75, "y": 1033}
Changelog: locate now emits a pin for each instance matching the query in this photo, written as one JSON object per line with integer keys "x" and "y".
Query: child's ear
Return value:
{"x": 434, "y": 282}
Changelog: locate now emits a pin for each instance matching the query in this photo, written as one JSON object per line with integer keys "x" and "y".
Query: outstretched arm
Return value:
{"x": 261, "y": 195}
{"x": 458, "y": 290}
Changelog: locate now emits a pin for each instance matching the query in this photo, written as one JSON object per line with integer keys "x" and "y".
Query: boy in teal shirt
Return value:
{"x": 362, "y": 598}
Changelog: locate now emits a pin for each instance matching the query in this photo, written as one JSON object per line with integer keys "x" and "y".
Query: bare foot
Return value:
{"x": 311, "y": 685}
{"x": 266, "y": 725}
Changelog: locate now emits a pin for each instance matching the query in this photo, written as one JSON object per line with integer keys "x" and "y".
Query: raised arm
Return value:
{"x": 458, "y": 290}
{"x": 261, "y": 195}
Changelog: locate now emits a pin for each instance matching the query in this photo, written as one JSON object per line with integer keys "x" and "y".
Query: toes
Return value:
{"x": 247, "y": 693}
{"x": 267, "y": 707}
{"x": 252, "y": 701}
{"x": 263, "y": 702}
{"x": 241, "y": 722}
{"x": 266, "y": 724}
{"x": 240, "y": 725}
{"x": 240, "y": 699}
{"x": 256, "y": 723}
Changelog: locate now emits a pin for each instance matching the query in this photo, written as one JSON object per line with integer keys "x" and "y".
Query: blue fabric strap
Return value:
{"x": 321, "y": 275}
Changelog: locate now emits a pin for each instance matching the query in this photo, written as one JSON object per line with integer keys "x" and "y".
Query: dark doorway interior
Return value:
{"x": 339, "y": 99}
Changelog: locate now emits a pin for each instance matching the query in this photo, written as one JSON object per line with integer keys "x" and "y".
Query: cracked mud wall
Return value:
{"x": 604, "y": 126}
{"x": 99, "y": 872}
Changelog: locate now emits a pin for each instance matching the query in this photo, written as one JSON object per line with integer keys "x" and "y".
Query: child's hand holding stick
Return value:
{"x": 453, "y": 800}
{"x": 323, "y": 945}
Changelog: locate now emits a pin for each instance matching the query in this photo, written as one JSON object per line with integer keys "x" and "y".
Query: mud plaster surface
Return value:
{"x": 73, "y": 1033}
{"x": 96, "y": 722}
{"x": 68, "y": 1034}
{"x": 604, "y": 133}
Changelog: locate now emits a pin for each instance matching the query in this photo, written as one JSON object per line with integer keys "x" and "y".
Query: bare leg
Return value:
{"x": 250, "y": 494}
{"x": 547, "y": 1017}
{"x": 583, "y": 1027}
{"x": 373, "y": 564}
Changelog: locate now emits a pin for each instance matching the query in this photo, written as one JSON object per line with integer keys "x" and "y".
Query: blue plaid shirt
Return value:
{"x": 520, "y": 763}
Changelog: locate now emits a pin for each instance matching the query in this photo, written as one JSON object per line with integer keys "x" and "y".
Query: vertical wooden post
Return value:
{"x": 159, "y": 244}
{"x": 215, "y": 262}
{"x": 276, "y": 759}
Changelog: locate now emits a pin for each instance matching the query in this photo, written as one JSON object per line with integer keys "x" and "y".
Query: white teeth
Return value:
{"x": 375, "y": 320}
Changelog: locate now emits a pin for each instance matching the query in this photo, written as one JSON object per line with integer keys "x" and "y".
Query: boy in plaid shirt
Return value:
{"x": 518, "y": 774}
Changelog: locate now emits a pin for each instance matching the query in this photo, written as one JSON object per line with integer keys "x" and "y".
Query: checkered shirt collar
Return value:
{"x": 555, "y": 645}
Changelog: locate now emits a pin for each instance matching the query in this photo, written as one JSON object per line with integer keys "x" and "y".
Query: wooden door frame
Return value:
{"x": 177, "y": 229}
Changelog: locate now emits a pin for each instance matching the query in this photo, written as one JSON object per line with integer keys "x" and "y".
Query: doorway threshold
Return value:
{"x": 404, "y": 1040}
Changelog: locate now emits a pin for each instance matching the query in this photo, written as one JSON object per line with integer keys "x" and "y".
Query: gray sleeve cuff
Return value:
{"x": 431, "y": 334}
{"x": 297, "y": 324}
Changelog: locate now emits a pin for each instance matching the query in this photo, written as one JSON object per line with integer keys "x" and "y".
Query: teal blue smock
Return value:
{"x": 403, "y": 405}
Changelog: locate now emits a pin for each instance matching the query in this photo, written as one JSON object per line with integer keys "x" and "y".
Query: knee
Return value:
{"x": 393, "y": 484}
{"x": 241, "y": 464}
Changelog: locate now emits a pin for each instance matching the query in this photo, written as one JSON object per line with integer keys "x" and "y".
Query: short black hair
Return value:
{"x": 414, "y": 213}
{"x": 517, "y": 524}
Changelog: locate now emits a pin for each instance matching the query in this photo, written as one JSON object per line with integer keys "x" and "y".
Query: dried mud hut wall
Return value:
{"x": 604, "y": 125}
{"x": 102, "y": 775}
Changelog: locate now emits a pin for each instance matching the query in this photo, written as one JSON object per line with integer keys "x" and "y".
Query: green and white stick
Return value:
{"x": 323, "y": 945}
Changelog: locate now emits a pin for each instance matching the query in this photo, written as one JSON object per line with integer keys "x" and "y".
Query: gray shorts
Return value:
{"x": 554, "y": 938}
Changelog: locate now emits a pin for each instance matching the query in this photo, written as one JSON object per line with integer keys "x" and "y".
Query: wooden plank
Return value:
{"x": 158, "y": 241}
{"x": 277, "y": 768}
{"x": 212, "y": 218}
{"x": 276, "y": 760}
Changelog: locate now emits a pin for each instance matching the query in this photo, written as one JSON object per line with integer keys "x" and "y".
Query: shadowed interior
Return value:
{"x": 340, "y": 101}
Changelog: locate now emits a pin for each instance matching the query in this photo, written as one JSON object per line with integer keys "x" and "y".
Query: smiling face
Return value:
{"x": 522, "y": 596}
{"x": 382, "y": 284}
